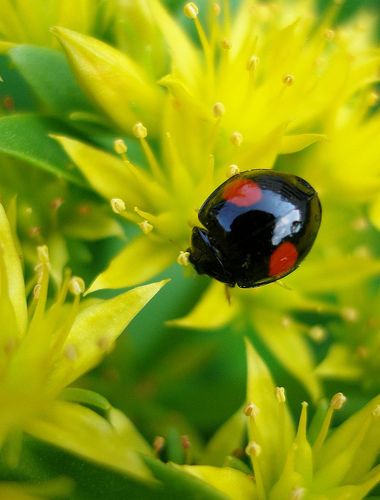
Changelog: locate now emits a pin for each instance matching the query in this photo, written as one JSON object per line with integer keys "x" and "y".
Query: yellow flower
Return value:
{"x": 29, "y": 22}
{"x": 303, "y": 463}
{"x": 271, "y": 86}
{"x": 46, "y": 346}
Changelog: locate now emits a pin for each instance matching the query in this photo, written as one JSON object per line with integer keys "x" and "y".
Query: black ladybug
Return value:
{"x": 259, "y": 226}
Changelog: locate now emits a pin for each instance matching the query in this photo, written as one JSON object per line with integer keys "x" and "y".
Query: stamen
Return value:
{"x": 252, "y": 63}
{"x": 251, "y": 410}
{"x": 146, "y": 227}
{"x": 288, "y": 80}
{"x": 158, "y": 444}
{"x": 336, "y": 403}
{"x": 118, "y": 205}
{"x": 280, "y": 394}
{"x": 183, "y": 258}
{"x": 141, "y": 133}
{"x": 253, "y": 449}
{"x": 236, "y": 138}
{"x": 191, "y": 10}
{"x": 120, "y": 147}
{"x": 298, "y": 493}
{"x": 317, "y": 333}
{"x": 218, "y": 109}
{"x": 232, "y": 170}
{"x": 43, "y": 254}
{"x": 70, "y": 352}
{"x": 76, "y": 285}
{"x": 350, "y": 314}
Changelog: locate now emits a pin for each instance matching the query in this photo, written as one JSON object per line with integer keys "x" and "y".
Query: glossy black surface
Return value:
{"x": 239, "y": 240}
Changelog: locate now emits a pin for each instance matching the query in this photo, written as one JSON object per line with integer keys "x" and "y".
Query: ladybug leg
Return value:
{"x": 206, "y": 258}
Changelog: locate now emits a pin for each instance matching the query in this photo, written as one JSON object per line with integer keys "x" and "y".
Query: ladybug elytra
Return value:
{"x": 258, "y": 227}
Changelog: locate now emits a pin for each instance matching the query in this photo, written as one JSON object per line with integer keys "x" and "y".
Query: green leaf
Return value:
{"x": 26, "y": 137}
{"x": 49, "y": 75}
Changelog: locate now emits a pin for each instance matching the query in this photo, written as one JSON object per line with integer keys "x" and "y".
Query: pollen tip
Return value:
{"x": 232, "y": 170}
{"x": 236, "y": 138}
{"x": 317, "y": 333}
{"x": 288, "y": 80}
{"x": 183, "y": 258}
{"x": 297, "y": 493}
{"x": 118, "y": 205}
{"x": 376, "y": 411}
{"x": 185, "y": 441}
{"x": 120, "y": 147}
{"x": 191, "y": 10}
{"x": 350, "y": 314}
{"x": 146, "y": 227}
{"x": 158, "y": 443}
{"x": 226, "y": 44}
{"x": 76, "y": 285}
{"x": 253, "y": 449}
{"x": 281, "y": 394}
{"x": 218, "y": 109}
{"x": 216, "y": 9}
{"x": 338, "y": 400}
{"x": 252, "y": 63}
{"x": 139, "y": 130}
{"x": 70, "y": 352}
{"x": 43, "y": 254}
{"x": 251, "y": 410}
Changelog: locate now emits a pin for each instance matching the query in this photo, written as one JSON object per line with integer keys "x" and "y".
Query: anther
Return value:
{"x": 297, "y": 493}
{"x": 252, "y": 63}
{"x": 350, "y": 314}
{"x": 191, "y": 10}
{"x": 232, "y": 170}
{"x": 139, "y": 130}
{"x": 226, "y": 44}
{"x": 120, "y": 147}
{"x": 373, "y": 98}
{"x": 185, "y": 441}
{"x": 216, "y": 9}
{"x": 337, "y": 401}
{"x": 329, "y": 34}
{"x": 43, "y": 254}
{"x": 146, "y": 227}
{"x": 288, "y": 80}
{"x": 183, "y": 258}
{"x": 76, "y": 285}
{"x": 118, "y": 205}
{"x": 218, "y": 109}
{"x": 57, "y": 203}
{"x": 253, "y": 449}
{"x": 317, "y": 333}
{"x": 251, "y": 410}
{"x": 236, "y": 138}
{"x": 36, "y": 291}
{"x": 376, "y": 411}
{"x": 158, "y": 443}
{"x": 280, "y": 394}
{"x": 70, "y": 352}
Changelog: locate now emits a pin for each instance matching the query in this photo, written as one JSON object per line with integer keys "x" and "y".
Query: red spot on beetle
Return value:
{"x": 283, "y": 259}
{"x": 242, "y": 192}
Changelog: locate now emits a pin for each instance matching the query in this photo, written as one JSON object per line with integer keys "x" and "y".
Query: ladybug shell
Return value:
{"x": 259, "y": 226}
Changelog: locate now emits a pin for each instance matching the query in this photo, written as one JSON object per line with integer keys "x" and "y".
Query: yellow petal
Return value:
{"x": 13, "y": 277}
{"x": 287, "y": 344}
{"x": 140, "y": 260}
{"x": 114, "y": 82}
{"x": 111, "y": 177}
{"x": 339, "y": 364}
{"x": 183, "y": 54}
{"x": 82, "y": 431}
{"x": 94, "y": 331}
{"x": 232, "y": 482}
{"x": 211, "y": 311}
{"x": 295, "y": 143}
{"x": 272, "y": 427}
